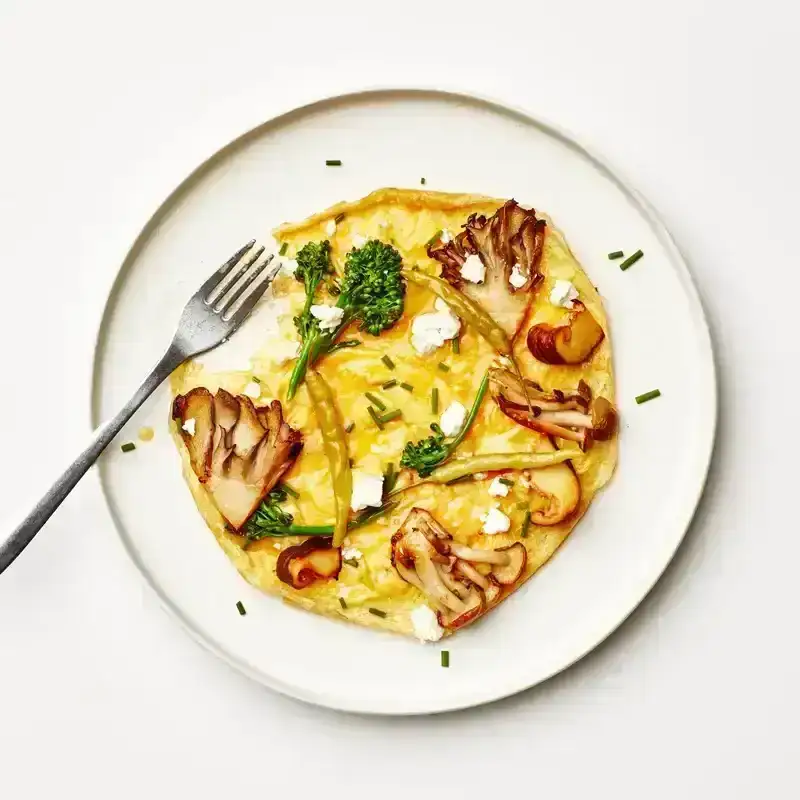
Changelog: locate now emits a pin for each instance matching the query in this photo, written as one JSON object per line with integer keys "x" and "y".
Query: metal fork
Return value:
{"x": 212, "y": 314}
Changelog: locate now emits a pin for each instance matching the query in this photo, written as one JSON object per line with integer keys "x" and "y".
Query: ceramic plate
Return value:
{"x": 394, "y": 138}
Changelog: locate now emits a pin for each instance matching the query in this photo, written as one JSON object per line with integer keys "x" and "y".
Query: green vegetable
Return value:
{"x": 372, "y": 296}
{"x": 284, "y": 248}
{"x": 333, "y": 162}
{"x": 375, "y": 418}
{"x": 456, "y": 345}
{"x": 389, "y": 478}
{"x": 269, "y": 514}
{"x": 240, "y": 606}
{"x": 350, "y": 427}
{"x": 422, "y": 181}
{"x": 407, "y": 386}
{"x": 445, "y": 658}
{"x": 288, "y": 489}
{"x": 339, "y": 217}
{"x": 388, "y": 361}
{"x": 389, "y": 384}
{"x": 313, "y": 265}
{"x": 376, "y": 401}
{"x": 351, "y": 562}
{"x": 377, "y": 612}
{"x": 616, "y": 254}
{"x": 631, "y": 260}
{"x": 391, "y": 415}
{"x": 643, "y": 398}
{"x": 435, "y": 400}
{"x": 345, "y": 344}
{"x": 127, "y": 447}
{"x": 424, "y": 456}
{"x": 443, "y": 367}
{"x": 526, "y": 523}
{"x": 506, "y": 481}
{"x": 342, "y": 602}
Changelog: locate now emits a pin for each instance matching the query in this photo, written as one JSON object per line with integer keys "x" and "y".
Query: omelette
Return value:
{"x": 427, "y": 418}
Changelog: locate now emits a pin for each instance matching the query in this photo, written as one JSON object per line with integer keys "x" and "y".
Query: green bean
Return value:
{"x": 492, "y": 462}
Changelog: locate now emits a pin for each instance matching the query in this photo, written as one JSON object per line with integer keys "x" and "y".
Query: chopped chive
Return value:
{"x": 526, "y": 523}
{"x": 350, "y": 427}
{"x": 631, "y": 260}
{"x": 389, "y": 384}
{"x": 389, "y": 478}
{"x": 445, "y": 658}
{"x": 391, "y": 415}
{"x": 333, "y": 162}
{"x": 407, "y": 386}
{"x": 284, "y": 248}
{"x": 643, "y": 398}
{"x": 456, "y": 345}
{"x": 351, "y": 562}
{"x": 290, "y": 491}
{"x": 377, "y": 612}
{"x": 422, "y": 181}
{"x": 435, "y": 238}
{"x": 376, "y": 401}
{"x": 616, "y": 254}
{"x": 375, "y": 418}
{"x": 388, "y": 361}
{"x": 342, "y": 603}
{"x": 435, "y": 400}
{"x": 240, "y": 606}
{"x": 506, "y": 481}
{"x": 127, "y": 447}
{"x": 443, "y": 367}
{"x": 254, "y": 379}
{"x": 339, "y": 217}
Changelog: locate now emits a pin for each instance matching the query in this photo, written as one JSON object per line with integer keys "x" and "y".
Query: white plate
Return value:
{"x": 393, "y": 138}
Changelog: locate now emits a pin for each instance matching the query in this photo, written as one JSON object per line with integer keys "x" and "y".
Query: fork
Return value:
{"x": 212, "y": 314}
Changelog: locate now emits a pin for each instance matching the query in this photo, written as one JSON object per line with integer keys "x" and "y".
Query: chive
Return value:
{"x": 642, "y": 398}
{"x": 127, "y": 447}
{"x": 342, "y": 602}
{"x": 631, "y": 260}
{"x": 407, "y": 386}
{"x": 391, "y": 415}
{"x": 389, "y": 384}
{"x": 435, "y": 238}
{"x": 526, "y": 522}
{"x": 456, "y": 346}
{"x": 435, "y": 400}
{"x": 290, "y": 491}
{"x": 333, "y": 162}
{"x": 339, "y": 217}
{"x": 350, "y": 427}
{"x": 376, "y": 401}
{"x": 389, "y": 478}
{"x": 377, "y": 612}
{"x": 254, "y": 379}
{"x": 422, "y": 181}
{"x": 616, "y": 254}
{"x": 351, "y": 562}
{"x": 284, "y": 248}
{"x": 445, "y": 658}
{"x": 242, "y": 610}
{"x": 375, "y": 418}
{"x": 443, "y": 367}
{"x": 506, "y": 481}
{"x": 388, "y": 361}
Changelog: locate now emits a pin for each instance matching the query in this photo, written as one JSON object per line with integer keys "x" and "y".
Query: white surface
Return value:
{"x": 106, "y": 110}
{"x": 571, "y": 605}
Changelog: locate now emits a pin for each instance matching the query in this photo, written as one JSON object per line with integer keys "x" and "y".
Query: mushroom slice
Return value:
{"x": 312, "y": 560}
{"x": 567, "y": 415}
{"x": 562, "y": 489}
{"x": 493, "y": 592}
{"x": 226, "y": 410}
{"x": 513, "y": 236}
{"x": 472, "y": 574}
{"x": 198, "y": 404}
{"x": 511, "y": 572}
{"x": 248, "y": 432}
{"x": 278, "y": 449}
{"x": 572, "y": 343}
{"x": 474, "y": 606}
{"x": 478, "y": 555}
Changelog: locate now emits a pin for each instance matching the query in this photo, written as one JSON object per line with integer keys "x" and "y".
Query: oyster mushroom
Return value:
{"x": 572, "y": 343}
{"x": 509, "y": 243}
{"x": 426, "y": 556}
{"x": 574, "y": 416}
{"x": 237, "y": 451}
{"x": 312, "y": 560}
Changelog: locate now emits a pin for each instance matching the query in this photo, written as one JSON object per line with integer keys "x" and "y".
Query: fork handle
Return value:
{"x": 44, "y": 509}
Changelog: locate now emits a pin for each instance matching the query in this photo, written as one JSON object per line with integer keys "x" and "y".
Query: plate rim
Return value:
{"x": 565, "y": 137}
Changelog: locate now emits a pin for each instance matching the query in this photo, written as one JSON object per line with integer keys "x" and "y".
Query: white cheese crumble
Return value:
{"x": 517, "y": 278}
{"x": 352, "y": 552}
{"x": 426, "y": 625}
{"x": 563, "y": 294}
{"x": 498, "y": 489}
{"x": 367, "y": 491}
{"x": 452, "y": 420}
{"x": 188, "y": 426}
{"x": 359, "y": 240}
{"x": 253, "y": 390}
{"x": 473, "y": 270}
{"x": 330, "y": 227}
{"x": 495, "y": 521}
{"x": 432, "y": 329}
{"x": 329, "y": 316}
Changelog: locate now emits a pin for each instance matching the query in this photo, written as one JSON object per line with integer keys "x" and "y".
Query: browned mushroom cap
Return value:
{"x": 312, "y": 560}
{"x": 572, "y": 343}
{"x": 510, "y": 573}
{"x": 238, "y": 452}
{"x": 474, "y": 606}
{"x": 562, "y": 491}
{"x": 512, "y": 236}
{"x": 493, "y": 592}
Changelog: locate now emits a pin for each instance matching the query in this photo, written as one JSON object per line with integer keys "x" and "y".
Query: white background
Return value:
{"x": 105, "y": 108}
